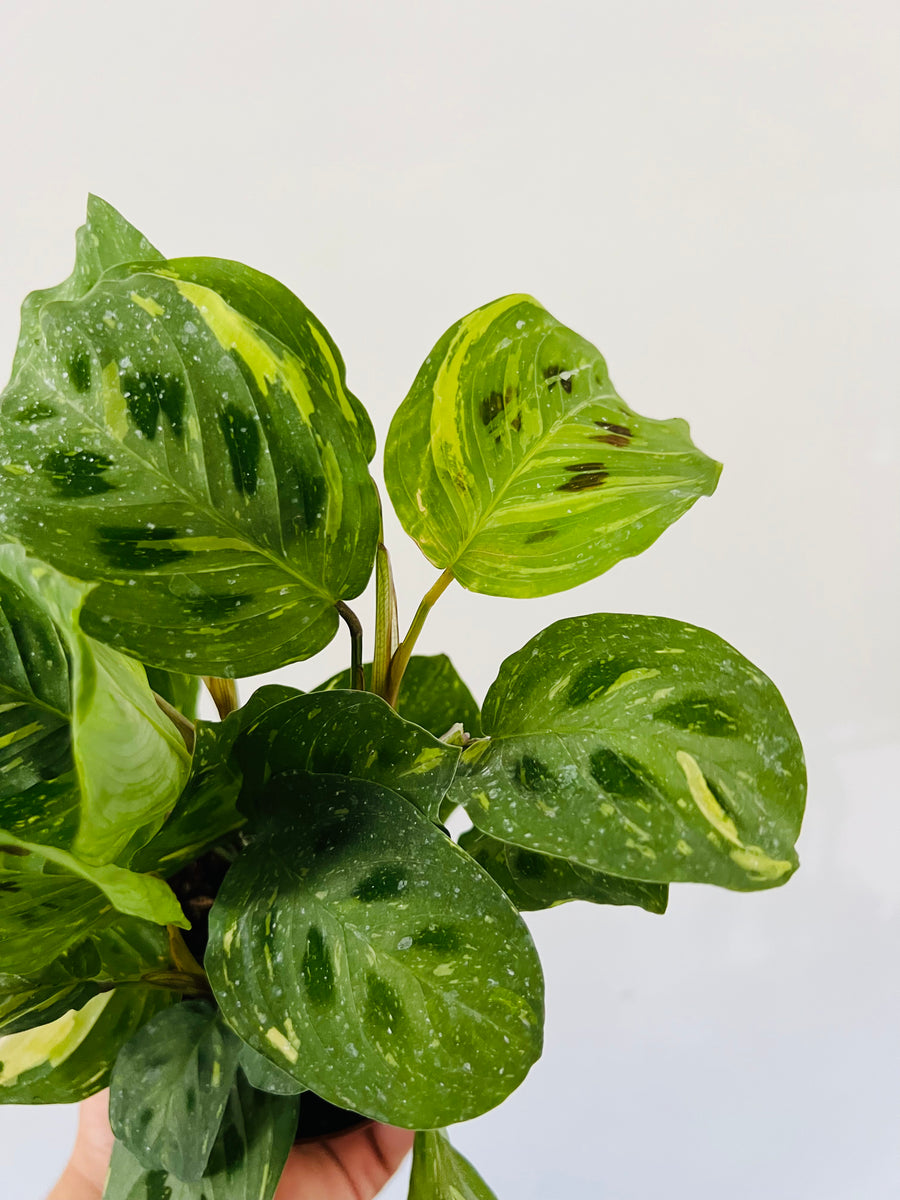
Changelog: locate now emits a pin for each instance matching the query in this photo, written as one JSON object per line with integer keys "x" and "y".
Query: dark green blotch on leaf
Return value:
{"x": 532, "y": 774}
{"x": 149, "y": 393}
{"x": 383, "y": 1005}
{"x": 76, "y": 474}
{"x": 80, "y": 372}
{"x": 317, "y": 971}
{"x": 242, "y": 441}
{"x": 126, "y": 546}
{"x": 618, "y": 776}
{"x": 596, "y": 678}
{"x": 384, "y": 883}
{"x": 698, "y": 714}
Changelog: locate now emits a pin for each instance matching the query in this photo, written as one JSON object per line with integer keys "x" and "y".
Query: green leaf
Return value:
{"x": 129, "y": 892}
{"x": 206, "y": 812}
{"x": 116, "y": 955}
{"x": 533, "y": 881}
{"x": 266, "y": 1076}
{"x": 43, "y": 916}
{"x": 170, "y": 1087}
{"x": 245, "y": 1164}
{"x": 360, "y": 949}
{"x": 87, "y": 760}
{"x": 105, "y": 240}
{"x": 157, "y": 438}
{"x": 439, "y": 1172}
{"x": 514, "y": 463}
{"x": 432, "y": 695}
{"x": 642, "y": 747}
{"x": 72, "y": 1057}
{"x": 354, "y": 734}
{"x": 181, "y": 691}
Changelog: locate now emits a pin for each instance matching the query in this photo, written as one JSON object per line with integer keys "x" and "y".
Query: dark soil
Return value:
{"x": 196, "y": 887}
{"x": 318, "y": 1118}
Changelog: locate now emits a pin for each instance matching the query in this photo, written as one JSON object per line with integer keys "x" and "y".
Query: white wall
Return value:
{"x": 709, "y": 191}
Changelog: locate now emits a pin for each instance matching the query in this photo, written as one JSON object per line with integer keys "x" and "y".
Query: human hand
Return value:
{"x": 347, "y": 1166}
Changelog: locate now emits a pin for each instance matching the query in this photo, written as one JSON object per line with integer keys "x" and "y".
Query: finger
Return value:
{"x": 349, "y": 1166}
{"x": 94, "y": 1140}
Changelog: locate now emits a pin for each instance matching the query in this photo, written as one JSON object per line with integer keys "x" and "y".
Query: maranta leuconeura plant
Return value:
{"x": 223, "y": 918}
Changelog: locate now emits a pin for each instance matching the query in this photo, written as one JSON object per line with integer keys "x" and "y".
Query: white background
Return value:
{"x": 709, "y": 191}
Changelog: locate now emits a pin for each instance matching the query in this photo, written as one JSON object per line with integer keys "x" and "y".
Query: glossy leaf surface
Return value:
{"x": 245, "y": 1164}
{"x": 43, "y": 916}
{"x": 213, "y": 478}
{"x": 360, "y": 949}
{"x": 71, "y": 1058}
{"x": 266, "y": 1076}
{"x": 432, "y": 695}
{"x": 440, "y": 1172}
{"x": 170, "y": 1087}
{"x": 120, "y": 952}
{"x": 514, "y": 463}
{"x": 642, "y": 747}
{"x": 345, "y": 733}
{"x": 206, "y": 811}
{"x": 534, "y": 881}
{"x": 182, "y": 691}
{"x": 87, "y": 759}
{"x": 129, "y": 892}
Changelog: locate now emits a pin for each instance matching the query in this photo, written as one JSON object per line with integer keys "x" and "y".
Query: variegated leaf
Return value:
{"x": 440, "y": 1172}
{"x": 50, "y": 899}
{"x": 206, "y": 811}
{"x": 514, "y": 464}
{"x": 534, "y": 881}
{"x": 346, "y": 733}
{"x": 117, "y": 954}
{"x": 170, "y": 1086}
{"x": 266, "y": 1076}
{"x": 72, "y": 1057}
{"x": 245, "y": 1164}
{"x": 362, "y": 951}
{"x": 641, "y": 747}
{"x": 43, "y": 915}
{"x": 174, "y": 433}
{"x": 88, "y": 762}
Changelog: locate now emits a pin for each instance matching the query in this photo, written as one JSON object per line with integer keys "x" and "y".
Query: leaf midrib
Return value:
{"x": 283, "y": 564}
{"x": 523, "y": 463}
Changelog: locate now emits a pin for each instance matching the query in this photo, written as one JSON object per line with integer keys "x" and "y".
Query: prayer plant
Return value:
{"x": 225, "y": 920}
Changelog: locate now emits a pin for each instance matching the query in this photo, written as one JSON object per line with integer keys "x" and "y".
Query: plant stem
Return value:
{"x": 351, "y": 620}
{"x": 401, "y": 659}
{"x": 224, "y": 694}
{"x": 179, "y": 720}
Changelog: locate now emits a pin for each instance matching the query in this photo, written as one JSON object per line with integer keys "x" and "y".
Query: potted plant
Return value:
{"x": 227, "y": 919}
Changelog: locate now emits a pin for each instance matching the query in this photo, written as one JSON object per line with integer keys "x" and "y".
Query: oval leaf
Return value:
{"x": 170, "y": 1086}
{"x": 367, "y": 955}
{"x": 439, "y": 1172}
{"x": 514, "y": 463}
{"x": 245, "y": 1163}
{"x": 159, "y": 439}
{"x": 534, "y": 881}
{"x": 641, "y": 747}
{"x": 345, "y": 733}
